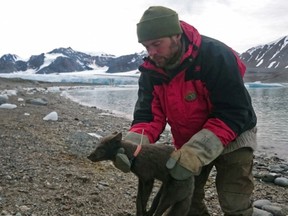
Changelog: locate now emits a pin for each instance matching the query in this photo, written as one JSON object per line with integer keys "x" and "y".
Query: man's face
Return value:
{"x": 162, "y": 50}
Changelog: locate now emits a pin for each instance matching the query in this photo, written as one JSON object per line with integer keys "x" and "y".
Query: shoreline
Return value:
{"x": 262, "y": 150}
{"x": 44, "y": 169}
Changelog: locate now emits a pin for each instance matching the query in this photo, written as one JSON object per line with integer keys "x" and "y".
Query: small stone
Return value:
{"x": 273, "y": 209}
{"x": 276, "y": 168}
{"x": 258, "y": 175}
{"x": 8, "y": 177}
{"x": 24, "y": 208}
{"x": 53, "y": 116}
{"x": 270, "y": 177}
{"x": 259, "y": 212}
{"x": 3, "y": 99}
{"x": 4, "y": 212}
{"x": 8, "y": 106}
{"x": 284, "y": 166}
{"x": 104, "y": 183}
{"x": 281, "y": 181}
{"x": 37, "y": 101}
{"x": 260, "y": 203}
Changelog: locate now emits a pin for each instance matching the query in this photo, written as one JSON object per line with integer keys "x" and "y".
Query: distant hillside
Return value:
{"x": 266, "y": 63}
{"x": 63, "y": 60}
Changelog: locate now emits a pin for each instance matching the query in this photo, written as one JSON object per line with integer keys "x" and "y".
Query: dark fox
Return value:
{"x": 174, "y": 196}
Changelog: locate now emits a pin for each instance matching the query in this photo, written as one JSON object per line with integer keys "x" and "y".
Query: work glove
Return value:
{"x": 136, "y": 138}
{"x": 199, "y": 151}
{"x": 122, "y": 162}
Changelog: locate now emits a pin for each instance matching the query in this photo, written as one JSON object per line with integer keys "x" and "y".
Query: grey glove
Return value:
{"x": 136, "y": 138}
{"x": 122, "y": 162}
{"x": 199, "y": 151}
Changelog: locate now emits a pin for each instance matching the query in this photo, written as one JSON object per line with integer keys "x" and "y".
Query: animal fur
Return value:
{"x": 150, "y": 164}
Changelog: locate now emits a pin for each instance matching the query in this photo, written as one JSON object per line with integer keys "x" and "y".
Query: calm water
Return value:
{"x": 271, "y": 106}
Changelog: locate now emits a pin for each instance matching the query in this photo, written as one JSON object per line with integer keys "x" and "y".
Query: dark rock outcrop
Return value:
{"x": 8, "y": 63}
{"x": 36, "y": 61}
{"x": 62, "y": 65}
{"x": 125, "y": 63}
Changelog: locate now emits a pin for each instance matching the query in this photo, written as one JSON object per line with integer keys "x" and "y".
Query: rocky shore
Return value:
{"x": 44, "y": 170}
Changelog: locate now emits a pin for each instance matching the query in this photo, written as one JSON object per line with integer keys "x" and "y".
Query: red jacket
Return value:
{"x": 205, "y": 91}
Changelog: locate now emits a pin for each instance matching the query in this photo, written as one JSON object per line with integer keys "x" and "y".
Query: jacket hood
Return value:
{"x": 193, "y": 36}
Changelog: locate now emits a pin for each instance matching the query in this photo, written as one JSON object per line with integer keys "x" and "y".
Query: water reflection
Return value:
{"x": 271, "y": 107}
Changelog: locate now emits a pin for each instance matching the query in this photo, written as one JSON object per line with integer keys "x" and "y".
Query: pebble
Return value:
{"x": 8, "y": 106}
{"x": 270, "y": 177}
{"x": 284, "y": 166}
{"x": 277, "y": 174}
{"x": 279, "y": 168}
{"x": 260, "y": 203}
{"x": 265, "y": 207}
{"x": 6, "y": 213}
{"x": 53, "y": 116}
{"x": 259, "y": 212}
{"x": 9, "y": 92}
{"x": 273, "y": 209}
{"x": 281, "y": 181}
{"x": 274, "y": 174}
{"x": 24, "y": 208}
{"x": 3, "y": 99}
{"x": 37, "y": 101}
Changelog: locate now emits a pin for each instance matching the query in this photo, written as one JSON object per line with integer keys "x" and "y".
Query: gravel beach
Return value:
{"x": 44, "y": 168}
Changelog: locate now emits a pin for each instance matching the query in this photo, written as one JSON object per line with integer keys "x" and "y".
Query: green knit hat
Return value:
{"x": 158, "y": 22}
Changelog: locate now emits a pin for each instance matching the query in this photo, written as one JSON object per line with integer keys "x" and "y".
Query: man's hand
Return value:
{"x": 137, "y": 138}
{"x": 122, "y": 162}
{"x": 183, "y": 164}
{"x": 200, "y": 150}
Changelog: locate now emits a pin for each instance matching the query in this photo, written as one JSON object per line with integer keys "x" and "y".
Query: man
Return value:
{"x": 195, "y": 84}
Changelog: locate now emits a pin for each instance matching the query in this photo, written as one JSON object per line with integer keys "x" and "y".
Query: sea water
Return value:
{"x": 270, "y": 104}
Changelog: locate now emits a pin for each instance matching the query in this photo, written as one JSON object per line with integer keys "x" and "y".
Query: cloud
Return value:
{"x": 30, "y": 27}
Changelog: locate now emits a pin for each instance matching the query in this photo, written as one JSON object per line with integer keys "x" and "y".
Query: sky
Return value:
{"x": 32, "y": 27}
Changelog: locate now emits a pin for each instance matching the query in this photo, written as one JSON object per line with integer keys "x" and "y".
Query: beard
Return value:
{"x": 172, "y": 57}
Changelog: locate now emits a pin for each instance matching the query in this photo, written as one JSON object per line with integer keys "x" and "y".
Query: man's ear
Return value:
{"x": 178, "y": 36}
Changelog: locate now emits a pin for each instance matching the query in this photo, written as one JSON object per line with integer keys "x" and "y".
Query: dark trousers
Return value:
{"x": 234, "y": 184}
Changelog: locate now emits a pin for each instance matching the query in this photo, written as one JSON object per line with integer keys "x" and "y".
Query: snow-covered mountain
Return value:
{"x": 273, "y": 55}
{"x": 63, "y": 60}
{"x": 267, "y": 62}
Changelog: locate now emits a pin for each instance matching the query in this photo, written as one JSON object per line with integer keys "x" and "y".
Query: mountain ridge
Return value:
{"x": 267, "y": 62}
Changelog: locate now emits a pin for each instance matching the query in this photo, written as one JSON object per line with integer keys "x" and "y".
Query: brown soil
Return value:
{"x": 43, "y": 164}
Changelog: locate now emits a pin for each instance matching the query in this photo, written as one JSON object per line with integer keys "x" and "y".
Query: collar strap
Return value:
{"x": 135, "y": 154}
{"x": 138, "y": 149}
